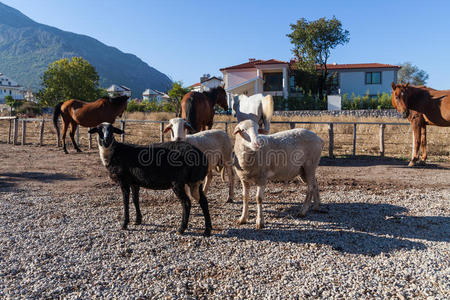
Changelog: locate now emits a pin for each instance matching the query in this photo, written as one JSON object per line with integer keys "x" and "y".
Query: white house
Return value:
{"x": 362, "y": 79}
{"x": 154, "y": 95}
{"x": 257, "y": 76}
{"x": 206, "y": 83}
{"x": 118, "y": 90}
{"x": 10, "y": 88}
{"x": 276, "y": 77}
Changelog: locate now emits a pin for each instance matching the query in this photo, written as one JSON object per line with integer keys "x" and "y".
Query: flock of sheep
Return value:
{"x": 185, "y": 164}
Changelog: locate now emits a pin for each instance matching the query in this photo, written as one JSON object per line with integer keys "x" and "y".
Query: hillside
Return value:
{"x": 27, "y": 48}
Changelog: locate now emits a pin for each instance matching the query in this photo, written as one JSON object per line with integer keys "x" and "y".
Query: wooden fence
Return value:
{"x": 13, "y": 131}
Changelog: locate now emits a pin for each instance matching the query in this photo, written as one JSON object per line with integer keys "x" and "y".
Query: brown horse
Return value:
{"x": 198, "y": 108}
{"x": 87, "y": 114}
{"x": 422, "y": 106}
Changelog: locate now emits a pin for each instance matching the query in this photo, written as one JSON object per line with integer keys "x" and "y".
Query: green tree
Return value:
{"x": 69, "y": 78}
{"x": 12, "y": 103}
{"x": 410, "y": 73}
{"x": 176, "y": 93}
{"x": 313, "y": 41}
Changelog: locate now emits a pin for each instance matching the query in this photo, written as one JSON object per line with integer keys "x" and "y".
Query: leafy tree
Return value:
{"x": 69, "y": 78}
{"x": 412, "y": 74}
{"x": 313, "y": 41}
{"x": 176, "y": 93}
{"x": 12, "y": 103}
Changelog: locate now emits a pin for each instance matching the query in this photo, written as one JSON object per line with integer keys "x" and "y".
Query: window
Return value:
{"x": 373, "y": 77}
{"x": 273, "y": 82}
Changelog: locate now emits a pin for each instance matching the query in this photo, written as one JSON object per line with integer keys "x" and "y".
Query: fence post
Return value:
{"x": 16, "y": 131}
{"x": 292, "y": 125}
{"x": 382, "y": 127}
{"x": 9, "y": 132}
{"x": 162, "y": 131}
{"x": 24, "y": 131}
{"x": 41, "y": 133}
{"x": 331, "y": 140}
{"x": 226, "y": 127}
{"x": 354, "y": 139}
{"x": 122, "y": 126}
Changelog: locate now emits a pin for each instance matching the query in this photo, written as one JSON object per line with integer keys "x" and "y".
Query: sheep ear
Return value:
{"x": 118, "y": 131}
{"x": 237, "y": 130}
{"x": 393, "y": 85}
{"x": 93, "y": 130}
{"x": 169, "y": 127}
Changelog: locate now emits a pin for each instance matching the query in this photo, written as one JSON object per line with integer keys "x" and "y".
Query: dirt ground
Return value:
{"x": 383, "y": 232}
{"x": 33, "y": 167}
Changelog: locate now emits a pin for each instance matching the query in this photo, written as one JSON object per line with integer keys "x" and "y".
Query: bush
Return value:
{"x": 353, "y": 102}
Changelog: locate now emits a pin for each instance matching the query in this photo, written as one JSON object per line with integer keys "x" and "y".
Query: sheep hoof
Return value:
{"x": 421, "y": 163}
{"x": 207, "y": 232}
{"x": 180, "y": 231}
{"x": 138, "y": 222}
{"x": 259, "y": 226}
{"x": 124, "y": 227}
{"x": 229, "y": 200}
{"x": 320, "y": 210}
{"x": 78, "y": 150}
{"x": 301, "y": 215}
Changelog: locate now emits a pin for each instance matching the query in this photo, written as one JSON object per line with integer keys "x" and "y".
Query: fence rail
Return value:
{"x": 14, "y": 130}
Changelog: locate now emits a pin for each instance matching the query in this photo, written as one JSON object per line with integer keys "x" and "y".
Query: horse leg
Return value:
{"x": 64, "y": 129}
{"x": 423, "y": 142}
{"x": 415, "y": 143}
{"x": 73, "y": 129}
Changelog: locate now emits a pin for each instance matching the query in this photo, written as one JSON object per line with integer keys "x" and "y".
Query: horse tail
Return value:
{"x": 267, "y": 110}
{"x": 191, "y": 115}
{"x": 56, "y": 113}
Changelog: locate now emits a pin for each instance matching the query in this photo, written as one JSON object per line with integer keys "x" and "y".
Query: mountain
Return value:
{"x": 28, "y": 47}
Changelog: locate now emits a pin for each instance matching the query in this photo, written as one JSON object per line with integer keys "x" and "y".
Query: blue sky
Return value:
{"x": 186, "y": 39}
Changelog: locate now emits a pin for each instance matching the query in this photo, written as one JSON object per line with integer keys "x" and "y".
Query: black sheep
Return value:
{"x": 159, "y": 167}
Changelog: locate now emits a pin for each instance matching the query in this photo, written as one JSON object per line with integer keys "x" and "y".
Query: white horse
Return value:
{"x": 258, "y": 108}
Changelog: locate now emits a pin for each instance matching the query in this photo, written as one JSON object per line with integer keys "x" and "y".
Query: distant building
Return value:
{"x": 10, "y": 88}
{"x": 276, "y": 77}
{"x": 118, "y": 90}
{"x": 206, "y": 83}
{"x": 154, "y": 95}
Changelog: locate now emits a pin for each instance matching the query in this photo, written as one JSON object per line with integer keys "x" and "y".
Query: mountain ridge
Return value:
{"x": 28, "y": 47}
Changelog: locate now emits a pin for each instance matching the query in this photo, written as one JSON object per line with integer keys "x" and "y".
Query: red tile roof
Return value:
{"x": 360, "y": 66}
{"x": 196, "y": 84}
{"x": 253, "y": 63}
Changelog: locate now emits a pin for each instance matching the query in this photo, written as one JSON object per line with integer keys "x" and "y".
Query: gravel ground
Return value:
{"x": 385, "y": 235}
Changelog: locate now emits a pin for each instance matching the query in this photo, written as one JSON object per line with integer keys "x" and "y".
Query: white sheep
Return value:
{"x": 214, "y": 143}
{"x": 280, "y": 156}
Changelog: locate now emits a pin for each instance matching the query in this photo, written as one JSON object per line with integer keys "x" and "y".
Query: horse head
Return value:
{"x": 221, "y": 97}
{"x": 400, "y": 95}
{"x": 120, "y": 104}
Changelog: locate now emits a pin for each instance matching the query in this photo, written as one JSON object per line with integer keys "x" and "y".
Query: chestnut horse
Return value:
{"x": 87, "y": 114}
{"x": 422, "y": 106}
{"x": 198, "y": 108}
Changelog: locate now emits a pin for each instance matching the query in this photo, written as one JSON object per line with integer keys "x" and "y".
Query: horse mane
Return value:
{"x": 117, "y": 100}
{"x": 419, "y": 93}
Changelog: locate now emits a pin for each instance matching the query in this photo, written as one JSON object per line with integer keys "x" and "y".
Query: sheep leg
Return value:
{"x": 179, "y": 190}
{"x": 126, "y": 200}
{"x": 259, "y": 212}
{"x": 316, "y": 196}
{"x": 230, "y": 184}
{"x": 135, "y": 191}
{"x": 207, "y": 181}
{"x": 245, "y": 195}
{"x": 204, "y": 205}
